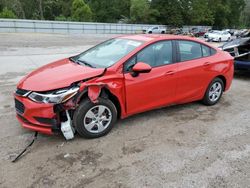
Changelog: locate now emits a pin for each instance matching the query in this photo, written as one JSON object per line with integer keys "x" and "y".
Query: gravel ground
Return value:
{"x": 187, "y": 145}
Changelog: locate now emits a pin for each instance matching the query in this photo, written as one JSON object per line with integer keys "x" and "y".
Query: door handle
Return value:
{"x": 169, "y": 73}
{"x": 207, "y": 64}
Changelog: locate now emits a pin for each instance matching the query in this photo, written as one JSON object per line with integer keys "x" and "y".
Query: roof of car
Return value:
{"x": 155, "y": 37}
{"x": 150, "y": 38}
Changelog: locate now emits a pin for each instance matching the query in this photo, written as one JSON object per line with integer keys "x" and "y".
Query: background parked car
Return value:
{"x": 209, "y": 31}
{"x": 246, "y": 33}
{"x": 175, "y": 31}
{"x": 240, "y": 50}
{"x": 197, "y": 32}
{"x": 242, "y": 33}
{"x": 231, "y": 31}
{"x": 219, "y": 36}
{"x": 155, "y": 30}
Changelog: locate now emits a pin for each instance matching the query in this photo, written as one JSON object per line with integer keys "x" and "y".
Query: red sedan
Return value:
{"x": 120, "y": 77}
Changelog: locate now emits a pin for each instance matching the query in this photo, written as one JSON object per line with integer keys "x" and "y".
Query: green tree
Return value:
{"x": 6, "y": 13}
{"x": 170, "y": 12}
{"x": 109, "y": 11}
{"x": 200, "y": 13}
{"x": 236, "y": 10}
{"x": 220, "y": 11}
{"x": 245, "y": 16}
{"x": 80, "y": 11}
{"x": 139, "y": 11}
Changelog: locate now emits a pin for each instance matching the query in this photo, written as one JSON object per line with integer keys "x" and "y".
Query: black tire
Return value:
{"x": 163, "y": 32}
{"x": 84, "y": 107}
{"x": 206, "y": 99}
{"x": 219, "y": 39}
{"x": 150, "y": 32}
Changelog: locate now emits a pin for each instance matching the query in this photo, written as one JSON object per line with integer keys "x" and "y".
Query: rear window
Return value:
{"x": 207, "y": 51}
{"x": 213, "y": 51}
{"x": 189, "y": 50}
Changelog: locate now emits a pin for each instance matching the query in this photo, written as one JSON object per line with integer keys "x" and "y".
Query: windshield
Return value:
{"x": 108, "y": 53}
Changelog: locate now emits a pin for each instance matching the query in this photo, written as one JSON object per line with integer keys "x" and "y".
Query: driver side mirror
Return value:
{"x": 140, "y": 67}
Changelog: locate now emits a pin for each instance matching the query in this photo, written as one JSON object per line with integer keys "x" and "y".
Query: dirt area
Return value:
{"x": 187, "y": 145}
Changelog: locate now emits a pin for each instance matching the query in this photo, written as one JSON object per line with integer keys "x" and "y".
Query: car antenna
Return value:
{"x": 25, "y": 149}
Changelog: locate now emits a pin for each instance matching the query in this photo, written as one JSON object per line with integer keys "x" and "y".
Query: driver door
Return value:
{"x": 156, "y": 88}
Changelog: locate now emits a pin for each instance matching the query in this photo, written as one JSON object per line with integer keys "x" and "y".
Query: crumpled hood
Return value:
{"x": 57, "y": 75}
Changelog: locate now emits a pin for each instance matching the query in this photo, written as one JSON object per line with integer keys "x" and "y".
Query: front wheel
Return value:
{"x": 95, "y": 120}
{"x": 213, "y": 92}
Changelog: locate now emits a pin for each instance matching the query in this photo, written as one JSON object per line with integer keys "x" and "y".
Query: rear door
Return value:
{"x": 192, "y": 74}
{"x": 156, "y": 88}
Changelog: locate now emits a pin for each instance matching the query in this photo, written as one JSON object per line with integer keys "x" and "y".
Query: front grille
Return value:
{"x": 21, "y": 92}
{"x": 19, "y": 107}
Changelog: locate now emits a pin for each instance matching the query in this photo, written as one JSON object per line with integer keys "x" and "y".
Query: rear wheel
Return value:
{"x": 219, "y": 39}
{"x": 95, "y": 120}
{"x": 213, "y": 92}
{"x": 163, "y": 32}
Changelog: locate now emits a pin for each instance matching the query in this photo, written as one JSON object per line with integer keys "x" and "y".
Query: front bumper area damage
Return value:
{"x": 44, "y": 118}
{"x": 36, "y": 116}
{"x": 52, "y": 118}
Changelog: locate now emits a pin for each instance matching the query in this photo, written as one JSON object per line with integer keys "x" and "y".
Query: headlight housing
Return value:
{"x": 55, "y": 97}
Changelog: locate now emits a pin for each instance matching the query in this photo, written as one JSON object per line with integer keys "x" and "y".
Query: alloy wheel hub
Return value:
{"x": 97, "y": 119}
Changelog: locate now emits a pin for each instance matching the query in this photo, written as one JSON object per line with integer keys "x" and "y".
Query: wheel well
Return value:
{"x": 224, "y": 80}
{"x": 105, "y": 93}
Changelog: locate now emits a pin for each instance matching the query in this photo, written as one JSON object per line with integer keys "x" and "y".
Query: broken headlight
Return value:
{"x": 55, "y": 97}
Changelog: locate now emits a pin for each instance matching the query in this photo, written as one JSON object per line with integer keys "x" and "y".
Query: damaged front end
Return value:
{"x": 65, "y": 110}
{"x": 240, "y": 50}
{"x": 38, "y": 110}
{"x": 52, "y": 112}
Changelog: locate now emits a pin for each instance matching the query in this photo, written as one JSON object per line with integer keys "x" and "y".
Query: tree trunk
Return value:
{"x": 41, "y": 9}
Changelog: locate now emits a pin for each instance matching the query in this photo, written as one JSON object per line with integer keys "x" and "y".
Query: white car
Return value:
{"x": 219, "y": 36}
{"x": 156, "y": 30}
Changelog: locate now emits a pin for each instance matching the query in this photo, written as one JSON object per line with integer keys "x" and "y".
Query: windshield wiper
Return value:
{"x": 85, "y": 63}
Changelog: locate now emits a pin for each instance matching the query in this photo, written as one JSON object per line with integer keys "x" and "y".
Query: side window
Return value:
{"x": 206, "y": 51}
{"x": 213, "y": 51}
{"x": 157, "y": 54}
{"x": 147, "y": 55}
{"x": 189, "y": 50}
